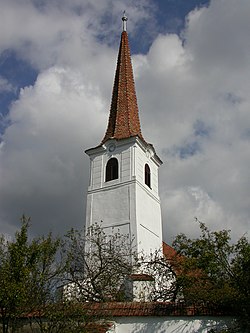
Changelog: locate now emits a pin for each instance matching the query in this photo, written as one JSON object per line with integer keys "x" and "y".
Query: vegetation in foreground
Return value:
{"x": 209, "y": 270}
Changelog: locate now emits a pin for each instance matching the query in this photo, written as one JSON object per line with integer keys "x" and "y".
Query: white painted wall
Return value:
{"x": 139, "y": 291}
{"x": 149, "y": 223}
{"x": 126, "y": 203}
{"x": 170, "y": 324}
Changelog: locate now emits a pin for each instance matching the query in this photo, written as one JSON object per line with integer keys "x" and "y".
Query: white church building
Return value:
{"x": 123, "y": 195}
{"x": 123, "y": 188}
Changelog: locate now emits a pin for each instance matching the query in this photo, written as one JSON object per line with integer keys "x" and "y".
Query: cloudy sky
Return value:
{"x": 191, "y": 63}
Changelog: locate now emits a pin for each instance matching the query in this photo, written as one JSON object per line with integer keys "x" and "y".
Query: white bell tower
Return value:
{"x": 123, "y": 188}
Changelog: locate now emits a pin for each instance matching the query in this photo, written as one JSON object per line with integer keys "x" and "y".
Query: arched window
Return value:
{"x": 111, "y": 170}
{"x": 147, "y": 175}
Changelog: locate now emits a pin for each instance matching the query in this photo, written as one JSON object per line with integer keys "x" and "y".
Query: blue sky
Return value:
{"x": 57, "y": 63}
{"x": 18, "y": 73}
{"x": 169, "y": 16}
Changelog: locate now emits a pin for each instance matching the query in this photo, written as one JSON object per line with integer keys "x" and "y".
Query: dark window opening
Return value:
{"x": 112, "y": 169}
{"x": 147, "y": 175}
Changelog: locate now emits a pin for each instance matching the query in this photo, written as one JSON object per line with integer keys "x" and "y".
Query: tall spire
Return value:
{"x": 124, "y": 115}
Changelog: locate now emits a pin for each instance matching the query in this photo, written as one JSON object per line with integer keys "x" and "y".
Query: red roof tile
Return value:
{"x": 141, "y": 277}
{"x": 124, "y": 115}
{"x": 168, "y": 251}
{"x": 131, "y": 309}
{"x": 96, "y": 311}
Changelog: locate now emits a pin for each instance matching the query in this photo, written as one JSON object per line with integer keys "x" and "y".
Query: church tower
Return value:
{"x": 123, "y": 188}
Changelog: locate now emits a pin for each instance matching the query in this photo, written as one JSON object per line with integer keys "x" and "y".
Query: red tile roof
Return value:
{"x": 168, "y": 251}
{"x": 94, "y": 312}
{"x": 141, "y": 277}
{"x": 124, "y": 115}
{"x": 131, "y": 309}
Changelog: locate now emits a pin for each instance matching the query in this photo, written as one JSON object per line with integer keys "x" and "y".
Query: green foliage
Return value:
{"x": 28, "y": 272}
{"x": 14, "y": 271}
{"x": 214, "y": 271}
{"x": 31, "y": 270}
{"x": 208, "y": 270}
{"x": 65, "y": 317}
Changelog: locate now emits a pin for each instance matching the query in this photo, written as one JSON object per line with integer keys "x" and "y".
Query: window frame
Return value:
{"x": 112, "y": 169}
{"x": 147, "y": 175}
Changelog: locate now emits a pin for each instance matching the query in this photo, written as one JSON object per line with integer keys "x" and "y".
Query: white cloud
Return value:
{"x": 43, "y": 170}
{"x": 64, "y": 32}
{"x": 5, "y": 86}
{"x": 194, "y": 107}
{"x": 217, "y": 36}
{"x": 184, "y": 205}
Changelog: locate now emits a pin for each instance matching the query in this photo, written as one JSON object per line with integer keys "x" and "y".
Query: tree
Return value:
{"x": 14, "y": 273}
{"x": 160, "y": 269}
{"x": 212, "y": 270}
{"x": 46, "y": 273}
{"x": 69, "y": 317}
{"x": 101, "y": 266}
{"x": 98, "y": 264}
{"x": 28, "y": 272}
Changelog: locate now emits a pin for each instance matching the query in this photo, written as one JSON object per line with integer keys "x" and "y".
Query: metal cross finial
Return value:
{"x": 124, "y": 20}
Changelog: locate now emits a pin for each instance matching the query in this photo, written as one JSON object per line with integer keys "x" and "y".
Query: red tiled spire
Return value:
{"x": 124, "y": 115}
